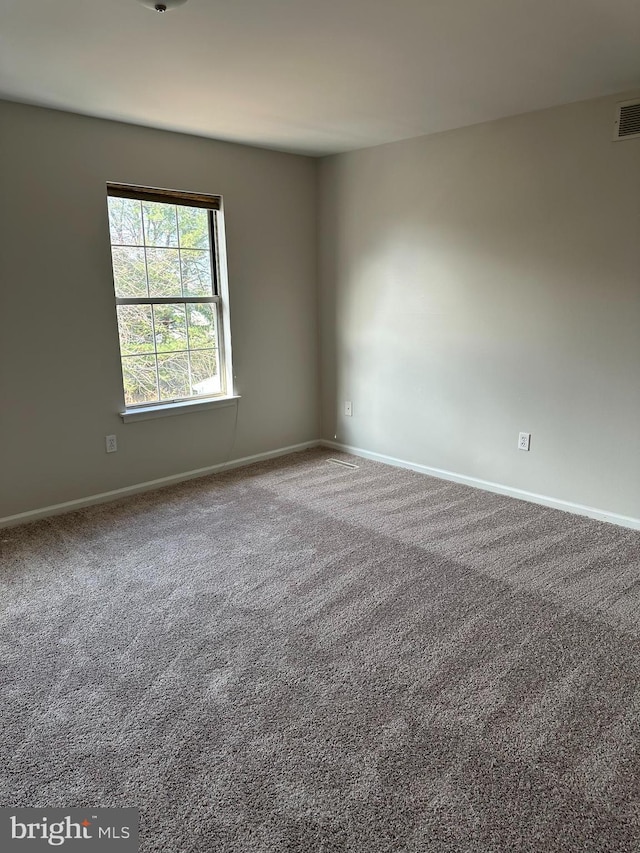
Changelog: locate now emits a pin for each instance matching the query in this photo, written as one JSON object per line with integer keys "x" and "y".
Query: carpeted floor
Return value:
{"x": 302, "y": 657}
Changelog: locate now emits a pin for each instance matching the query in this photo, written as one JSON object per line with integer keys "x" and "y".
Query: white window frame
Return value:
{"x": 214, "y": 206}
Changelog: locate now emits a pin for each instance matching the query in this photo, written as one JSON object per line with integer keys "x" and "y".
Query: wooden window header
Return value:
{"x": 210, "y": 202}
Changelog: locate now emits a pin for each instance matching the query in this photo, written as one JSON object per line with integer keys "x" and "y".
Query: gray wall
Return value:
{"x": 472, "y": 284}
{"x": 485, "y": 281}
{"x": 59, "y": 363}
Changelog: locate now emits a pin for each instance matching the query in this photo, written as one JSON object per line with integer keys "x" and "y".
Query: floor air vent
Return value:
{"x": 342, "y": 464}
{"x": 627, "y": 124}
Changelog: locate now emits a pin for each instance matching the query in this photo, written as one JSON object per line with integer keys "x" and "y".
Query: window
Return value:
{"x": 169, "y": 275}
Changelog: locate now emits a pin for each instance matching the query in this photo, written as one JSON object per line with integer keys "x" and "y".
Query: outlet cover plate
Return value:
{"x": 524, "y": 441}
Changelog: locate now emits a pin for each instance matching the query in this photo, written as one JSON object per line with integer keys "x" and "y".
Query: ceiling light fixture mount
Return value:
{"x": 165, "y": 6}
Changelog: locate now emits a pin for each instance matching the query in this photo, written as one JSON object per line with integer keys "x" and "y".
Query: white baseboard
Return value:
{"x": 497, "y": 488}
{"x": 149, "y": 485}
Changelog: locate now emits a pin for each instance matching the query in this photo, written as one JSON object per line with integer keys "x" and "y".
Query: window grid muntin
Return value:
{"x": 213, "y": 299}
{"x": 212, "y": 250}
{"x": 217, "y": 350}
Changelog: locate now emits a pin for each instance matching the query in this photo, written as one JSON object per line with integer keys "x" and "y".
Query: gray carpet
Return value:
{"x": 302, "y": 657}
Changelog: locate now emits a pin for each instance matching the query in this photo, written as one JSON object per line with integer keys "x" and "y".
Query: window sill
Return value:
{"x": 166, "y": 410}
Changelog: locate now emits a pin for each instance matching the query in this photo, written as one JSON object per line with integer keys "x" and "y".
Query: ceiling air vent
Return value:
{"x": 627, "y": 124}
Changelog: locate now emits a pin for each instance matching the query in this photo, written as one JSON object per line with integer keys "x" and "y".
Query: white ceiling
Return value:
{"x": 316, "y": 76}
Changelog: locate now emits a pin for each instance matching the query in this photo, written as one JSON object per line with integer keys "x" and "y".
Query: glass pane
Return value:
{"x": 171, "y": 327}
{"x": 205, "y": 378}
{"x": 193, "y": 224}
{"x": 173, "y": 372}
{"x": 160, "y": 224}
{"x": 129, "y": 271}
{"x": 202, "y": 325}
{"x": 196, "y": 273}
{"x": 140, "y": 381}
{"x": 136, "y": 330}
{"x": 125, "y": 221}
{"x": 163, "y": 267}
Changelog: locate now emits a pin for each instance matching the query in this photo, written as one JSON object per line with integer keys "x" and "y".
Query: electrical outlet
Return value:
{"x": 524, "y": 441}
{"x": 348, "y": 409}
{"x": 112, "y": 443}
